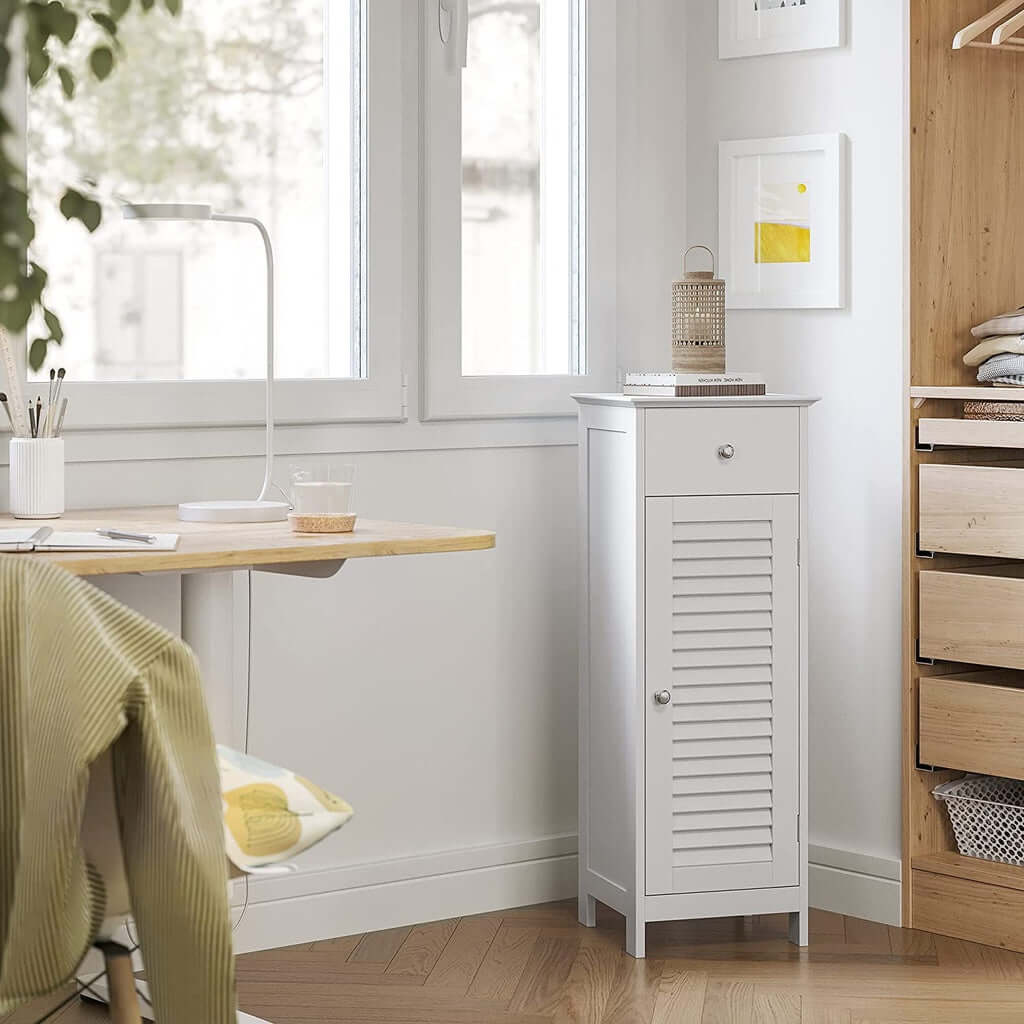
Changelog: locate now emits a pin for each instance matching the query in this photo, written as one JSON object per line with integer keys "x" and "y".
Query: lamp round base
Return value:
{"x": 233, "y": 511}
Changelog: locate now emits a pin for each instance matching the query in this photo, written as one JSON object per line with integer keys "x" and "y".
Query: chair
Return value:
{"x": 102, "y": 846}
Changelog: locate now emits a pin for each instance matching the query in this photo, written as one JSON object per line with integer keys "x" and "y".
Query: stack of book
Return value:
{"x": 693, "y": 385}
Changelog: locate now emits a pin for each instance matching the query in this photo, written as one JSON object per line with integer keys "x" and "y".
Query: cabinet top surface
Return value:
{"x": 669, "y": 402}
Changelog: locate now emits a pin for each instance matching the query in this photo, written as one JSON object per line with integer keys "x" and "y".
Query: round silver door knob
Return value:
{"x": 663, "y": 697}
{"x": 726, "y": 451}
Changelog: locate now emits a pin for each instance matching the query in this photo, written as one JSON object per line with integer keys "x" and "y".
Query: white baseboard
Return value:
{"x": 326, "y": 904}
{"x": 856, "y": 884}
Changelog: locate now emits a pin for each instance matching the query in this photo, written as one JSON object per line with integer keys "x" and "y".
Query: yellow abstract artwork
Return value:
{"x": 782, "y": 230}
{"x": 781, "y": 243}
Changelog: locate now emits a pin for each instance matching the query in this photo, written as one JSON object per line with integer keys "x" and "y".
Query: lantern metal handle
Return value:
{"x": 707, "y": 250}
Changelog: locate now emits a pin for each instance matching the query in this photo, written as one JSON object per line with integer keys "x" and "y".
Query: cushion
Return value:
{"x": 1012, "y": 344}
{"x": 1005, "y": 323}
{"x": 271, "y": 814}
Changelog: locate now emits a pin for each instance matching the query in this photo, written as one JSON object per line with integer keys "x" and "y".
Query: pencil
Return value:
{"x": 31, "y": 421}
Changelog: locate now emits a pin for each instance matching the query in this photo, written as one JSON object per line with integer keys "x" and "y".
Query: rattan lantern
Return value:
{"x": 698, "y": 319}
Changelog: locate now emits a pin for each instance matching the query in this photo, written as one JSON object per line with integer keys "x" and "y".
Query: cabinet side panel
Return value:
{"x": 611, "y": 654}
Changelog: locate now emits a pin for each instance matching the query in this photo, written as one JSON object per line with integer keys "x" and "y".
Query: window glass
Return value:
{"x": 243, "y": 104}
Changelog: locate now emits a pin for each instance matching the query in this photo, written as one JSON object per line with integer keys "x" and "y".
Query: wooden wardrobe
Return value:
{"x": 963, "y": 702}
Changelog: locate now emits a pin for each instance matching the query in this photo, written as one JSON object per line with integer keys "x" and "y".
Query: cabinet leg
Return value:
{"x": 636, "y": 944}
{"x": 798, "y": 927}
{"x": 588, "y": 910}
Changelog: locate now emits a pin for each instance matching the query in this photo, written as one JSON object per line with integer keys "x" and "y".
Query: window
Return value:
{"x": 256, "y": 107}
{"x": 506, "y": 215}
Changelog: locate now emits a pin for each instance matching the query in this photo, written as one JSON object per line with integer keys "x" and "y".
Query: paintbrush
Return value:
{"x": 7, "y": 409}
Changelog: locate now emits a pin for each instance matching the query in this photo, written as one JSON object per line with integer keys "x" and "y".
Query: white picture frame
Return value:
{"x": 782, "y": 222}
{"x": 751, "y": 28}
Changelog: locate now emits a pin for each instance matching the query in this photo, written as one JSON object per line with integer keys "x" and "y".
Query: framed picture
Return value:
{"x": 748, "y": 28}
{"x": 782, "y": 222}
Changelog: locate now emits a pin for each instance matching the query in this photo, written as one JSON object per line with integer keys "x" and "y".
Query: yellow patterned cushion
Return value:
{"x": 271, "y": 814}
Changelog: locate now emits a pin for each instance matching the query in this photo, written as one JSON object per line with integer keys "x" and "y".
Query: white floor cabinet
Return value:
{"x": 693, "y": 659}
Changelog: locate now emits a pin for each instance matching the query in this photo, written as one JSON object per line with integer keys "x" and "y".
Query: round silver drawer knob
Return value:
{"x": 726, "y": 451}
{"x": 663, "y": 697}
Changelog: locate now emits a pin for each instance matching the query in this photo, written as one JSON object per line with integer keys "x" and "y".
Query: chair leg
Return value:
{"x": 124, "y": 1000}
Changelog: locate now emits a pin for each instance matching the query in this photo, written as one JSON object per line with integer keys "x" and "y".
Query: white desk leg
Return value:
{"x": 215, "y": 624}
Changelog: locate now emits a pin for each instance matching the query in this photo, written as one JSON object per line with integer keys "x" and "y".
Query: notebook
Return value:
{"x": 20, "y": 540}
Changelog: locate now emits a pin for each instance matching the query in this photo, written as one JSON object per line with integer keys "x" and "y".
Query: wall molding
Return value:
{"x": 858, "y": 884}
{"x": 309, "y": 906}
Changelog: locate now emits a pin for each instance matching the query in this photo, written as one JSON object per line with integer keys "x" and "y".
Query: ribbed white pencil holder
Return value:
{"x": 37, "y": 477}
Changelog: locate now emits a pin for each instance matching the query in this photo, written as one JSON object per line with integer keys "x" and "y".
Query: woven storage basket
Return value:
{"x": 698, "y": 319}
{"x": 987, "y": 814}
{"x": 1008, "y": 412}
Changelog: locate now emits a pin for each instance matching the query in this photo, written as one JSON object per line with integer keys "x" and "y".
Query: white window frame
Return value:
{"x": 378, "y": 395}
{"x": 446, "y": 392}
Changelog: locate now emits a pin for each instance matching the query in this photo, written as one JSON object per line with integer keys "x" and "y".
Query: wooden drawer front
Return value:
{"x": 972, "y": 726}
{"x": 972, "y": 510}
{"x": 975, "y": 617}
{"x": 683, "y": 451}
{"x": 989, "y": 914}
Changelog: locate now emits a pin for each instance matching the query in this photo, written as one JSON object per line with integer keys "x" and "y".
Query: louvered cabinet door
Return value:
{"x": 722, "y": 639}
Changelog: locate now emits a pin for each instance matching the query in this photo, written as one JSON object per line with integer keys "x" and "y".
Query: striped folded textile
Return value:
{"x": 1001, "y": 366}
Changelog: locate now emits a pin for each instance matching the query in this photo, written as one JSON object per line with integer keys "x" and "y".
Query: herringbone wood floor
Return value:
{"x": 536, "y": 965}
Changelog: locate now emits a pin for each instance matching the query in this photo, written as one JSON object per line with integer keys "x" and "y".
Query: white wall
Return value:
{"x": 436, "y": 693}
{"x": 853, "y": 358}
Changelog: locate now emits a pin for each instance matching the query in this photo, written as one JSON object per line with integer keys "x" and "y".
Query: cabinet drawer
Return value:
{"x": 972, "y": 510}
{"x": 975, "y": 617}
{"x": 684, "y": 451}
{"x": 974, "y": 723}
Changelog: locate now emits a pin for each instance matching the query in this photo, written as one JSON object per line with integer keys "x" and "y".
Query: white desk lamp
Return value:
{"x": 262, "y": 510}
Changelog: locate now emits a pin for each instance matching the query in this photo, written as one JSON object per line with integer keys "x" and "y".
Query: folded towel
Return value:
{"x": 1005, "y": 323}
{"x": 1001, "y": 366}
{"x": 1012, "y": 344}
{"x": 1016, "y": 381}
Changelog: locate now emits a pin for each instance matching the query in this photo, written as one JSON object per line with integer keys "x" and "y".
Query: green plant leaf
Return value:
{"x": 105, "y": 22}
{"x": 75, "y": 206}
{"x": 37, "y": 353}
{"x": 147, "y": 5}
{"x": 14, "y": 313}
{"x": 38, "y": 65}
{"x": 174, "y": 6}
{"x": 119, "y": 8}
{"x": 53, "y": 325}
{"x": 67, "y": 81}
{"x": 101, "y": 60}
{"x": 62, "y": 22}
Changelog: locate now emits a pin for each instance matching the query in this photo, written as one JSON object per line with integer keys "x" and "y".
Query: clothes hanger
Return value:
{"x": 1003, "y": 20}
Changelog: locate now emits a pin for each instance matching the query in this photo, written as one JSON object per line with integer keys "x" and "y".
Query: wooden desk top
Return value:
{"x": 238, "y": 545}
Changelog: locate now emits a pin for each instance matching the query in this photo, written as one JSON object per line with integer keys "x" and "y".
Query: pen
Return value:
{"x": 145, "y": 538}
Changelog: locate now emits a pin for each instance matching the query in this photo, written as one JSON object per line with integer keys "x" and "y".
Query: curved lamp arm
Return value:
{"x": 268, "y": 481}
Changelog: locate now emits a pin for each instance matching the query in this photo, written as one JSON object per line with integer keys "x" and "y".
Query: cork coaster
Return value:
{"x": 335, "y": 522}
